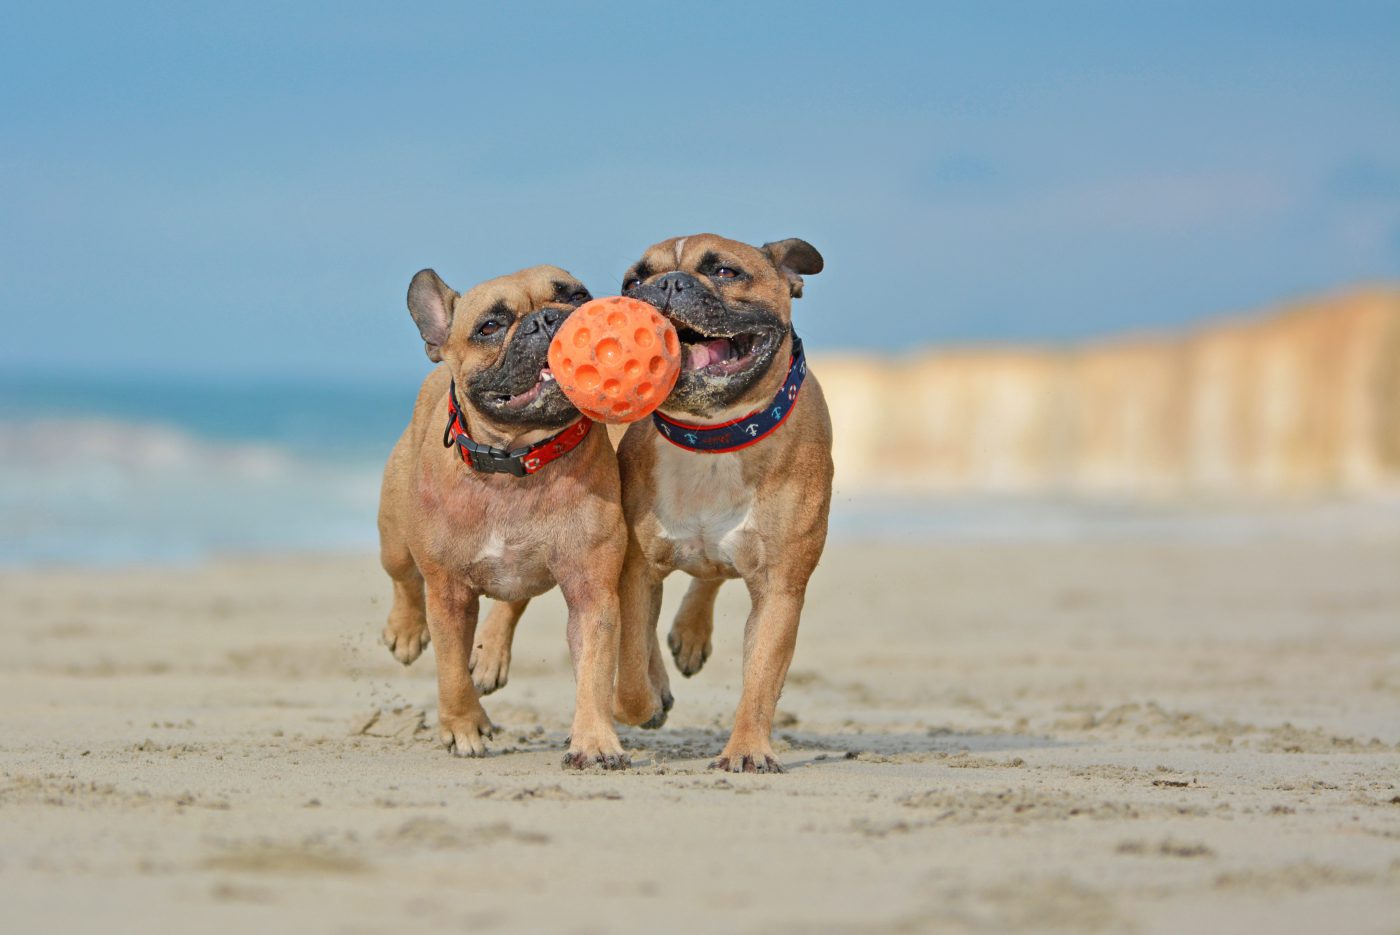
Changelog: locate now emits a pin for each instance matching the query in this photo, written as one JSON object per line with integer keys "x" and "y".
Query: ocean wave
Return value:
{"x": 113, "y": 492}
{"x": 85, "y": 491}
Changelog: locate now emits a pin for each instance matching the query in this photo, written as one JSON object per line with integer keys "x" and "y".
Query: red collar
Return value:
{"x": 522, "y": 461}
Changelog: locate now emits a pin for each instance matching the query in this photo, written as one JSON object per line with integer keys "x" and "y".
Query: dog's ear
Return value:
{"x": 430, "y": 303}
{"x": 794, "y": 258}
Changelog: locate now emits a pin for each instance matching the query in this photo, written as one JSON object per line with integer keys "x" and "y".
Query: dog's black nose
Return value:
{"x": 673, "y": 284}
{"x": 546, "y": 320}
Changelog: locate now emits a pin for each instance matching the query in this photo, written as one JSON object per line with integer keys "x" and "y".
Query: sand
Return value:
{"x": 1093, "y": 736}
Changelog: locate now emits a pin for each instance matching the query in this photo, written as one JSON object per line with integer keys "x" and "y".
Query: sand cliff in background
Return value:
{"x": 1302, "y": 401}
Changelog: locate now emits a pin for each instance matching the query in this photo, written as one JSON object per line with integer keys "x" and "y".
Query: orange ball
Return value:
{"x": 616, "y": 359}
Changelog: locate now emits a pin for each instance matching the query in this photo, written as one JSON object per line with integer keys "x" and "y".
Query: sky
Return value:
{"x": 243, "y": 191}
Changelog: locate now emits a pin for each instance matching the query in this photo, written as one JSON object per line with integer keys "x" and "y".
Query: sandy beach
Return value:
{"x": 1112, "y": 735}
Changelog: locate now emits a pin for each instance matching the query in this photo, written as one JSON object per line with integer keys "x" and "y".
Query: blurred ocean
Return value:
{"x": 146, "y": 470}
{"x": 116, "y": 472}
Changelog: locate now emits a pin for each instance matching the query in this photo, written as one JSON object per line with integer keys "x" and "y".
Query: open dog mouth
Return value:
{"x": 521, "y": 400}
{"x": 719, "y": 354}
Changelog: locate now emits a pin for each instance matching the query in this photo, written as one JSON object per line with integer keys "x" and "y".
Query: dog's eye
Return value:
{"x": 489, "y": 327}
{"x": 726, "y": 272}
{"x": 632, "y": 283}
{"x": 579, "y": 296}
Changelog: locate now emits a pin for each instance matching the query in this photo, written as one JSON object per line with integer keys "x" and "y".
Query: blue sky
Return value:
{"x": 245, "y": 190}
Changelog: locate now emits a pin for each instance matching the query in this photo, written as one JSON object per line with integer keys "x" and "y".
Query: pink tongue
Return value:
{"x": 702, "y": 355}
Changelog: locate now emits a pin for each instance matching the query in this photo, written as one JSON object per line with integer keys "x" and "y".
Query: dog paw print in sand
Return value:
{"x": 437, "y": 834}
{"x": 1166, "y": 847}
{"x": 549, "y": 792}
{"x": 1151, "y": 719}
{"x": 1025, "y": 805}
{"x": 401, "y": 723}
{"x": 282, "y": 858}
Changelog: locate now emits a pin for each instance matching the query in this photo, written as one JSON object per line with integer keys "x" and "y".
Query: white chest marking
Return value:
{"x": 493, "y": 549}
{"x": 702, "y": 504}
{"x": 511, "y": 570}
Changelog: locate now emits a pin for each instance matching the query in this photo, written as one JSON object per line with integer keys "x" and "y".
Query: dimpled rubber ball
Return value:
{"x": 616, "y": 359}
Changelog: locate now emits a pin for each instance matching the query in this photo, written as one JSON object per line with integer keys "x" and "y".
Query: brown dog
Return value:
{"x": 732, "y": 481}
{"x": 503, "y": 491}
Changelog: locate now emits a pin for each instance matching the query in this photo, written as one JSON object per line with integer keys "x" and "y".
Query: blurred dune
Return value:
{"x": 1298, "y": 401}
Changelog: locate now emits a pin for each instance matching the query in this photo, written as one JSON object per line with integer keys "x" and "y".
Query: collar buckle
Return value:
{"x": 491, "y": 460}
{"x": 522, "y": 462}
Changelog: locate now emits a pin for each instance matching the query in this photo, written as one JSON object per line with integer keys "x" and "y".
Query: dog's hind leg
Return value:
{"x": 643, "y": 695}
{"x": 660, "y": 681}
{"x": 406, "y": 634}
{"x": 691, "y": 632}
{"x": 490, "y": 659}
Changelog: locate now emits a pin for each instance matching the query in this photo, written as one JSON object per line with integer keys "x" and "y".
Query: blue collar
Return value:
{"x": 746, "y": 430}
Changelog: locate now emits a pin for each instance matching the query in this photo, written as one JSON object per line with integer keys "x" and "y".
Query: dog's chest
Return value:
{"x": 507, "y": 567}
{"x": 494, "y": 546}
{"x": 704, "y": 511}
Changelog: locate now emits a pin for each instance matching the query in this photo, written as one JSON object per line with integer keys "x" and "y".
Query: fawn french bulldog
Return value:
{"x": 730, "y": 479}
{"x": 499, "y": 487}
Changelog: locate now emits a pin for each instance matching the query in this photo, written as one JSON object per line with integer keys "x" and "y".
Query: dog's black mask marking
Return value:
{"x": 497, "y": 391}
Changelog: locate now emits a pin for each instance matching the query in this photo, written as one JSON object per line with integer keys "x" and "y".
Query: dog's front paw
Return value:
{"x": 689, "y": 647}
{"x": 466, "y": 735}
{"x": 600, "y": 748}
{"x": 405, "y": 639}
{"x": 747, "y": 758}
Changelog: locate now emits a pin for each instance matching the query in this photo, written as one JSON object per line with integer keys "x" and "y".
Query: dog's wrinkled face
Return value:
{"x": 731, "y": 304}
{"x": 495, "y": 339}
